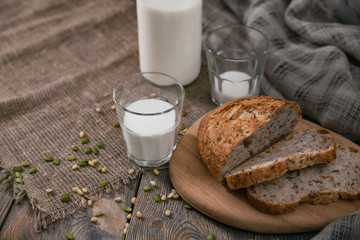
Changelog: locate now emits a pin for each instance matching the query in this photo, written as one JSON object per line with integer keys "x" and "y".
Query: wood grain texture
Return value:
{"x": 196, "y": 185}
{"x": 182, "y": 223}
{"x": 19, "y": 223}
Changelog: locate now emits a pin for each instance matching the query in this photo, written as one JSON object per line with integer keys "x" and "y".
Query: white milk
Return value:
{"x": 237, "y": 86}
{"x": 149, "y": 138}
{"x": 170, "y": 37}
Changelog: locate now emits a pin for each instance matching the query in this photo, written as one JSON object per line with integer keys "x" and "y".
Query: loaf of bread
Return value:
{"x": 319, "y": 184}
{"x": 242, "y": 128}
{"x": 300, "y": 149}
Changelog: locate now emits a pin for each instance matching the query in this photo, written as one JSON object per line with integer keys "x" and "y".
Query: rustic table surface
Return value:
{"x": 17, "y": 220}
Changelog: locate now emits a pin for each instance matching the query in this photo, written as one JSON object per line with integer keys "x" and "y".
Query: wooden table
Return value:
{"x": 17, "y": 220}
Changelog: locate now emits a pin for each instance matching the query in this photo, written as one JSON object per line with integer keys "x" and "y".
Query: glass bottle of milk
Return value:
{"x": 169, "y": 34}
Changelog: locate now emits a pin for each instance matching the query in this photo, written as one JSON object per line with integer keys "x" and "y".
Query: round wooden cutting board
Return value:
{"x": 195, "y": 184}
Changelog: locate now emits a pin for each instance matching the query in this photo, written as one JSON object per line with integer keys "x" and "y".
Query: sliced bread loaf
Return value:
{"x": 299, "y": 149}
{"x": 319, "y": 184}
{"x": 240, "y": 129}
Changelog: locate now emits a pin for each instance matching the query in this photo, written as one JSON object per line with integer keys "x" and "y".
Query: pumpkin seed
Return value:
{"x": 95, "y": 150}
{"x": 70, "y": 158}
{"x": 25, "y": 164}
{"x": 157, "y": 197}
{"x": 69, "y": 236}
{"x": 99, "y": 214}
{"x": 17, "y": 169}
{"x": 182, "y": 127}
{"x": 100, "y": 168}
{"x": 104, "y": 183}
{"x": 187, "y": 206}
{"x": 211, "y": 236}
{"x": 117, "y": 124}
{"x": 74, "y": 147}
{"x": 19, "y": 180}
{"x": 87, "y": 151}
{"x": 82, "y": 163}
{"x": 85, "y": 140}
{"x": 87, "y": 160}
{"x": 57, "y": 161}
{"x": 33, "y": 170}
{"x": 147, "y": 188}
{"x": 183, "y": 113}
{"x": 48, "y": 158}
{"x": 18, "y": 175}
{"x": 100, "y": 144}
{"x": 65, "y": 197}
{"x": 127, "y": 208}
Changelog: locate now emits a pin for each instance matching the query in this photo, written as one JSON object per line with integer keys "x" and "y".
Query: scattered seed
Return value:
{"x": 74, "y": 147}
{"x": 57, "y": 161}
{"x": 133, "y": 200}
{"x": 94, "y": 220}
{"x": 176, "y": 196}
{"x": 69, "y": 236}
{"x": 25, "y": 164}
{"x": 163, "y": 198}
{"x": 82, "y": 163}
{"x": 49, "y": 190}
{"x": 211, "y": 236}
{"x": 113, "y": 107}
{"x": 99, "y": 214}
{"x": 127, "y": 208}
{"x": 129, "y": 216}
{"x": 157, "y": 197}
{"x": 185, "y": 130}
{"x": 33, "y": 170}
{"x": 100, "y": 168}
{"x": 19, "y": 180}
{"x": 89, "y": 203}
{"x": 95, "y": 150}
{"x": 95, "y": 161}
{"x": 125, "y": 231}
{"x": 18, "y": 175}
{"x": 48, "y": 158}
{"x": 139, "y": 214}
{"x": 156, "y": 172}
{"x": 98, "y": 110}
{"x": 167, "y": 213}
{"x": 84, "y": 190}
{"x": 147, "y": 188}
{"x": 171, "y": 195}
{"x": 117, "y": 124}
{"x": 173, "y": 191}
{"x": 65, "y": 197}
{"x": 189, "y": 207}
{"x": 75, "y": 189}
{"x": 80, "y": 192}
{"x": 100, "y": 144}
{"x": 104, "y": 183}
{"x": 17, "y": 169}
{"x": 71, "y": 157}
{"x": 85, "y": 140}
{"x": 131, "y": 171}
{"x": 88, "y": 151}
{"x": 75, "y": 167}
{"x": 117, "y": 199}
{"x": 182, "y": 127}
{"x": 153, "y": 183}
{"x": 91, "y": 163}
{"x": 183, "y": 113}
{"x": 127, "y": 225}
{"x": 82, "y": 134}
{"x": 103, "y": 169}
{"x": 87, "y": 160}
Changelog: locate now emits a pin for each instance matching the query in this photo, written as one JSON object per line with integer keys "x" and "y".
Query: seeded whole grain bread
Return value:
{"x": 242, "y": 128}
{"x": 319, "y": 184}
{"x": 300, "y": 149}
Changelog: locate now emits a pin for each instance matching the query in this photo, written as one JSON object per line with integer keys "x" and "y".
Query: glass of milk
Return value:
{"x": 236, "y": 57}
{"x": 149, "y": 108}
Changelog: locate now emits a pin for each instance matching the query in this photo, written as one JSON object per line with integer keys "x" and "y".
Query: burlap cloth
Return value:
{"x": 60, "y": 60}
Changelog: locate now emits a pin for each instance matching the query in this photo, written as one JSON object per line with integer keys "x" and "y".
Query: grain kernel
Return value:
{"x": 79, "y": 192}
{"x": 89, "y": 203}
{"x": 129, "y": 216}
{"x": 81, "y": 134}
{"x": 127, "y": 225}
{"x": 84, "y": 190}
{"x": 94, "y": 220}
{"x": 98, "y": 110}
{"x": 75, "y": 189}
{"x": 95, "y": 160}
{"x": 163, "y": 198}
{"x": 167, "y": 213}
{"x": 153, "y": 183}
{"x": 139, "y": 214}
{"x": 173, "y": 191}
{"x": 171, "y": 195}
{"x": 133, "y": 200}
{"x": 75, "y": 167}
{"x": 103, "y": 169}
{"x": 176, "y": 196}
{"x": 117, "y": 199}
{"x": 156, "y": 172}
{"x": 125, "y": 231}
{"x": 49, "y": 190}
{"x": 113, "y": 107}
{"x": 91, "y": 163}
{"x": 131, "y": 171}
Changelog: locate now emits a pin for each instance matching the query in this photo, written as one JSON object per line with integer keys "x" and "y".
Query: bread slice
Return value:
{"x": 300, "y": 149}
{"x": 240, "y": 129}
{"x": 315, "y": 185}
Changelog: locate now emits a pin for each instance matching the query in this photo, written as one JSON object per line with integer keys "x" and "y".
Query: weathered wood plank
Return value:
{"x": 19, "y": 223}
{"x": 182, "y": 224}
{"x": 6, "y": 201}
{"x": 292, "y": 236}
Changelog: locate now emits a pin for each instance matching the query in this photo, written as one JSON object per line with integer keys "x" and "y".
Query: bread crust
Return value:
{"x": 279, "y": 168}
{"x": 233, "y": 122}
